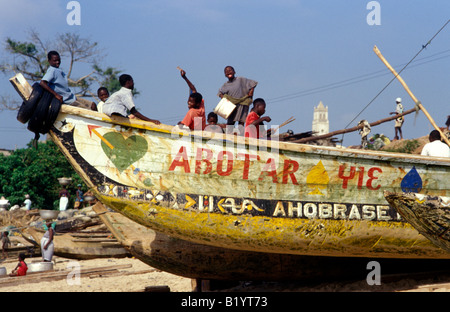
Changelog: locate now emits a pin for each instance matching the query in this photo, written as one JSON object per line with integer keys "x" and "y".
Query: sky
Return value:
{"x": 300, "y": 52}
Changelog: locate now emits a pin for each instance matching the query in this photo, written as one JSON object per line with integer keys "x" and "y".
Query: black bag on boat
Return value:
{"x": 53, "y": 111}
{"x": 28, "y": 107}
{"x": 44, "y": 115}
{"x": 35, "y": 124}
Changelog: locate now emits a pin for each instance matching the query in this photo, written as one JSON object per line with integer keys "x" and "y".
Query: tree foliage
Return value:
{"x": 30, "y": 59}
{"x": 35, "y": 172}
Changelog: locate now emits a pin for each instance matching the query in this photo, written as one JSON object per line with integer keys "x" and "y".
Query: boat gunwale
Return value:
{"x": 285, "y": 146}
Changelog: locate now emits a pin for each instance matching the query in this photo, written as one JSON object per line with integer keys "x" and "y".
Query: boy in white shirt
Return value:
{"x": 103, "y": 95}
{"x": 120, "y": 102}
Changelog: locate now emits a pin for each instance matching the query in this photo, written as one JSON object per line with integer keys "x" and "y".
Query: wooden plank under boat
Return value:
{"x": 78, "y": 237}
{"x": 68, "y": 246}
{"x": 247, "y": 194}
{"x": 430, "y": 215}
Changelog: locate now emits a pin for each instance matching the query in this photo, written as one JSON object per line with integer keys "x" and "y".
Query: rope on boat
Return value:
{"x": 395, "y": 77}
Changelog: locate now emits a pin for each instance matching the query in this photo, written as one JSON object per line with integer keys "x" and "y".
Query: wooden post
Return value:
{"x": 378, "y": 53}
{"x": 356, "y": 128}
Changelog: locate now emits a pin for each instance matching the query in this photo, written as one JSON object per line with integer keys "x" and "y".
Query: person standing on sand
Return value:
{"x": 27, "y": 202}
{"x": 79, "y": 200}
{"x": 63, "y": 199}
{"x": 5, "y": 244}
{"x": 47, "y": 245}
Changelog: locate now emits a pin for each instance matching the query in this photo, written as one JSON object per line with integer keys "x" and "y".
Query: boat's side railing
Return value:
{"x": 282, "y": 146}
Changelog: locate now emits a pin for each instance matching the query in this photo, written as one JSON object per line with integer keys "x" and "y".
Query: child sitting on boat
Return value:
{"x": 254, "y": 121}
{"x": 55, "y": 80}
{"x": 195, "y": 118}
{"x": 103, "y": 95}
{"x": 212, "y": 125}
{"x": 120, "y": 102}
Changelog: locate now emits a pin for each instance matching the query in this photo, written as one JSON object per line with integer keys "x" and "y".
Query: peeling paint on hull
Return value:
{"x": 430, "y": 215}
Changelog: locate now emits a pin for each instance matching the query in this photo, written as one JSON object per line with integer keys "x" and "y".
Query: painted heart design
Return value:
{"x": 123, "y": 152}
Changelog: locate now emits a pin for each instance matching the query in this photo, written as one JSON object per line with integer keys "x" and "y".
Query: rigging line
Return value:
{"x": 353, "y": 80}
{"x": 395, "y": 77}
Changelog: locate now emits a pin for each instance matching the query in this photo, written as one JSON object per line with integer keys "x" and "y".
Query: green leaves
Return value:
{"x": 24, "y": 48}
{"x": 35, "y": 172}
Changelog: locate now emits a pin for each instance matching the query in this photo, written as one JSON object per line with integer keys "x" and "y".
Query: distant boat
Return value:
{"x": 78, "y": 239}
{"x": 252, "y": 195}
{"x": 82, "y": 246}
{"x": 430, "y": 215}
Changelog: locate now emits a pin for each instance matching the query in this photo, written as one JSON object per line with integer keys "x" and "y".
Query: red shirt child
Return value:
{"x": 195, "y": 118}
{"x": 21, "y": 268}
{"x": 254, "y": 119}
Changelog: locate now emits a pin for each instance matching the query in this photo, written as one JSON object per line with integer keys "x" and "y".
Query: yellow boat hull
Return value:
{"x": 245, "y": 194}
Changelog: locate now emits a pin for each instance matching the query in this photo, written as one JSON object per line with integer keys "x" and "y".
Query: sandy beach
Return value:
{"x": 135, "y": 276}
{"x": 133, "y": 279}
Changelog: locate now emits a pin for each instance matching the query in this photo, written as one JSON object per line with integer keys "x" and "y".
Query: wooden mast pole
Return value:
{"x": 378, "y": 53}
{"x": 356, "y": 128}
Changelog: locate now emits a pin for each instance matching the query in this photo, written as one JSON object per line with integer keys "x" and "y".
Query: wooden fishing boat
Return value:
{"x": 247, "y": 194}
{"x": 231, "y": 192}
{"x": 430, "y": 215}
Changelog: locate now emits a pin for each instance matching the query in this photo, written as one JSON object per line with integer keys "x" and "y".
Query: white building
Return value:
{"x": 320, "y": 124}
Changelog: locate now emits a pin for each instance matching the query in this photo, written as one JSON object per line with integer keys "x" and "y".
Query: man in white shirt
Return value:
{"x": 27, "y": 203}
{"x": 120, "y": 102}
{"x": 436, "y": 147}
{"x": 399, "y": 121}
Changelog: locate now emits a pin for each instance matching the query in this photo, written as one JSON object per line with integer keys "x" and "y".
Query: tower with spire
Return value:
{"x": 320, "y": 124}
